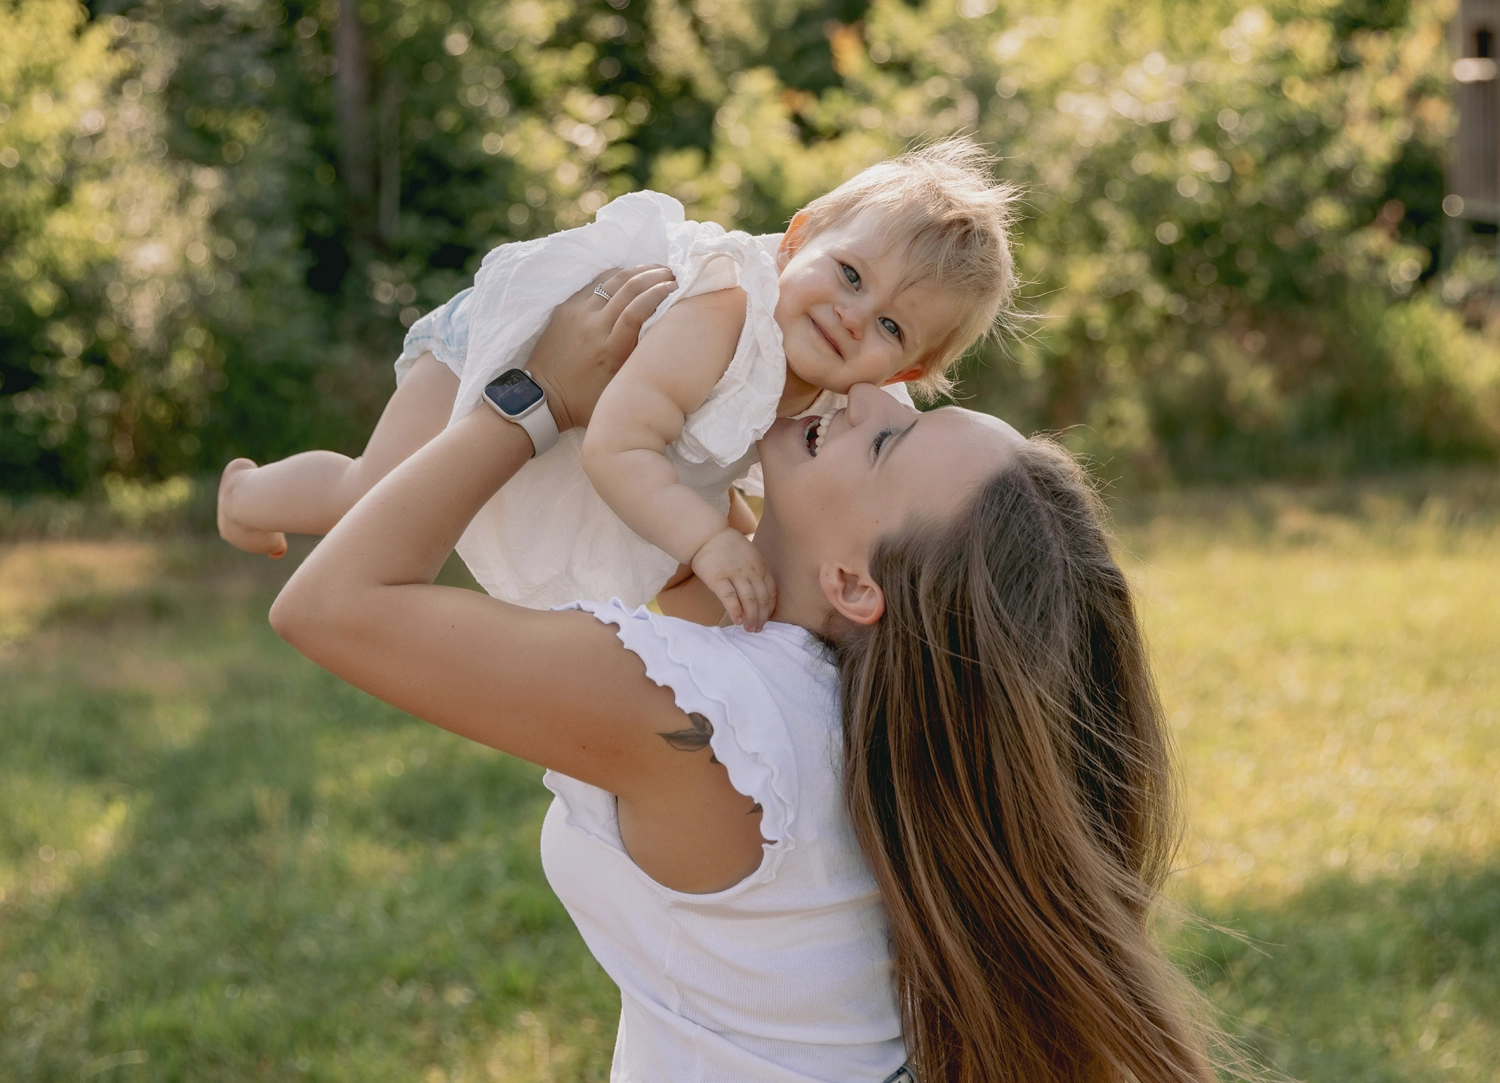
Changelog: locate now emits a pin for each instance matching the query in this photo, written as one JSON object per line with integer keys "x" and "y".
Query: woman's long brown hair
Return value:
{"x": 1009, "y": 777}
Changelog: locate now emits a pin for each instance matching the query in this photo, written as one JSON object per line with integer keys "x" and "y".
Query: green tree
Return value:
{"x": 1216, "y": 250}
{"x": 1230, "y": 206}
{"x": 372, "y": 154}
{"x": 103, "y": 365}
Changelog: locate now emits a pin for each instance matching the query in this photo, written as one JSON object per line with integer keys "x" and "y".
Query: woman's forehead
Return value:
{"x": 985, "y": 427}
{"x": 952, "y": 444}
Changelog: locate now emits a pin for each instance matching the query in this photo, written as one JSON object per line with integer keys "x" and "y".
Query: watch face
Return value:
{"x": 513, "y": 392}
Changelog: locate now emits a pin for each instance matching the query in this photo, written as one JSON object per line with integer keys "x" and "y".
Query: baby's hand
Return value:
{"x": 736, "y": 573}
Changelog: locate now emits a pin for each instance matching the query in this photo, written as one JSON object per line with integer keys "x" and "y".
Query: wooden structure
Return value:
{"x": 1474, "y": 165}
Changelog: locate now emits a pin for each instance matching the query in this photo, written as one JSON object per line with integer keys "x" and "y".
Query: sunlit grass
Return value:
{"x": 37, "y": 579}
{"x": 218, "y": 863}
{"x": 1331, "y": 665}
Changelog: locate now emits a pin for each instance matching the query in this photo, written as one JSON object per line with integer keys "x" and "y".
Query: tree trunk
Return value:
{"x": 352, "y": 104}
{"x": 389, "y": 195}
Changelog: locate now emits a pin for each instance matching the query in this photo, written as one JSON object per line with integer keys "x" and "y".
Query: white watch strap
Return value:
{"x": 540, "y": 426}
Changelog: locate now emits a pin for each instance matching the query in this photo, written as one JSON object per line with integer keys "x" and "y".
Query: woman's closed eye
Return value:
{"x": 886, "y": 439}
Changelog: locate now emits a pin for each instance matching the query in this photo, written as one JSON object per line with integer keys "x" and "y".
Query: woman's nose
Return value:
{"x": 866, "y": 402}
{"x": 858, "y": 405}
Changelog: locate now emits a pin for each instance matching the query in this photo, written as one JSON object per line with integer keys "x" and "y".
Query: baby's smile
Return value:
{"x": 832, "y": 345}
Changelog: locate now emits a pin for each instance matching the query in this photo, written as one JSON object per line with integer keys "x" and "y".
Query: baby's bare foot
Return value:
{"x": 271, "y": 543}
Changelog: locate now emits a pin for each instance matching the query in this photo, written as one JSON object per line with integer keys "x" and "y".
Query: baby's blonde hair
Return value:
{"x": 956, "y": 218}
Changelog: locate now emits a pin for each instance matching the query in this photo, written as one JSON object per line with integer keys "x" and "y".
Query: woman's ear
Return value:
{"x": 791, "y": 240}
{"x": 853, "y": 594}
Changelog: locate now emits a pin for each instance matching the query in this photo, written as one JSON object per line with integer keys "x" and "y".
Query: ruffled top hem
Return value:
{"x": 743, "y": 717}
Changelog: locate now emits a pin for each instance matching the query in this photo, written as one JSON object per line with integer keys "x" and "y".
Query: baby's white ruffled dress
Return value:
{"x": 548, "y": 538}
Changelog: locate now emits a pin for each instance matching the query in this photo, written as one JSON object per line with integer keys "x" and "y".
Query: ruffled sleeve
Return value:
{"x": 708, "y": 677}
{"x": 742, "y": 404}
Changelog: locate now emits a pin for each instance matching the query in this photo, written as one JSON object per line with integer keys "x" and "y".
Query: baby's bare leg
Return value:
{"x": 310, "y": 492}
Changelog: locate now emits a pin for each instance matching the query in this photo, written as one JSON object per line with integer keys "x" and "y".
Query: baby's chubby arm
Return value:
{"x": 643, "y": 409}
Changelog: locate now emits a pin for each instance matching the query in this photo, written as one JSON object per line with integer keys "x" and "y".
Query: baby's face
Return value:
{"x": 845, "y": 318}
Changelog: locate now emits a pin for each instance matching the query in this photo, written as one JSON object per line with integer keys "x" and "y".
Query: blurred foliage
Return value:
{"x": 103, "y": 357}
{"x": 217, "y": 215}
{"x": 1219, "y": 245}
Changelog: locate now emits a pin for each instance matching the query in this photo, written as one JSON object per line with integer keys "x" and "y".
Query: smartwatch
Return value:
{"x": 517, "y": 397}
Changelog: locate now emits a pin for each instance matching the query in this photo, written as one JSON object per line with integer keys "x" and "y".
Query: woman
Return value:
{"x": 919, "y": 821}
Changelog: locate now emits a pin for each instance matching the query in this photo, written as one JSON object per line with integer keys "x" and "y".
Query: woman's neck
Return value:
{"x": 799, "y": 599}
{"x": 797, "y": 395}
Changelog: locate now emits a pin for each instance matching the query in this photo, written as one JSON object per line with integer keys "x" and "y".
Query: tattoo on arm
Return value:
{"x": 694, "y": 738}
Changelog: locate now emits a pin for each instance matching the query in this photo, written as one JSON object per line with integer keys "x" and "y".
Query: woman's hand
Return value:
{"x": 589, "y": 338}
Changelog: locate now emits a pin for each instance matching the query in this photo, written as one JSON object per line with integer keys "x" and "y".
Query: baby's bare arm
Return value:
{"x": 668, "y": 376}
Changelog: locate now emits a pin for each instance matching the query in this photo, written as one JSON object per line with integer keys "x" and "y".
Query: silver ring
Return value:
{"x": 602, "y": 292}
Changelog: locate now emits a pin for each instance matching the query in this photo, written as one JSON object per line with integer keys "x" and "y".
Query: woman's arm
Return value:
{"x": 668, "y": 377}
{"x": 555, "y": 688}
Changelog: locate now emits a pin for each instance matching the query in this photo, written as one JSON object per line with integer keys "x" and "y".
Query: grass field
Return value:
{"x": 217, "y": 863}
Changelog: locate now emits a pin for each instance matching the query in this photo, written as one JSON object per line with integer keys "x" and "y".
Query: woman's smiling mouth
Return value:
{"x": 814, "y": 431}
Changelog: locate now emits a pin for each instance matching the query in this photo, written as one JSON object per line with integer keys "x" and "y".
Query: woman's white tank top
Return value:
{"x": 785, "y": 977}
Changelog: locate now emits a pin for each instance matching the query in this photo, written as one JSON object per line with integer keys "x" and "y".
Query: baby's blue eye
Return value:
{"x": 851, "y": 274}
{"x": 890, "y": 326}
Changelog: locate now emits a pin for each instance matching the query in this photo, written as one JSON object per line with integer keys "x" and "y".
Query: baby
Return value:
{"x": 885, "y": 280}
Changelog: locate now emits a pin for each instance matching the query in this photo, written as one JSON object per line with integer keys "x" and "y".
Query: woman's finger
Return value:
{"x": 613, "y": 280}
{"x": 618, "y": 284}
{"x": 637, "y": 283}
{"x": 639, "y": 310}
{"x": 580, "y": 304}
{"x": 635, "y": 269}
{"x": 603, "y": 305}
{"x": 645, "y": 300}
